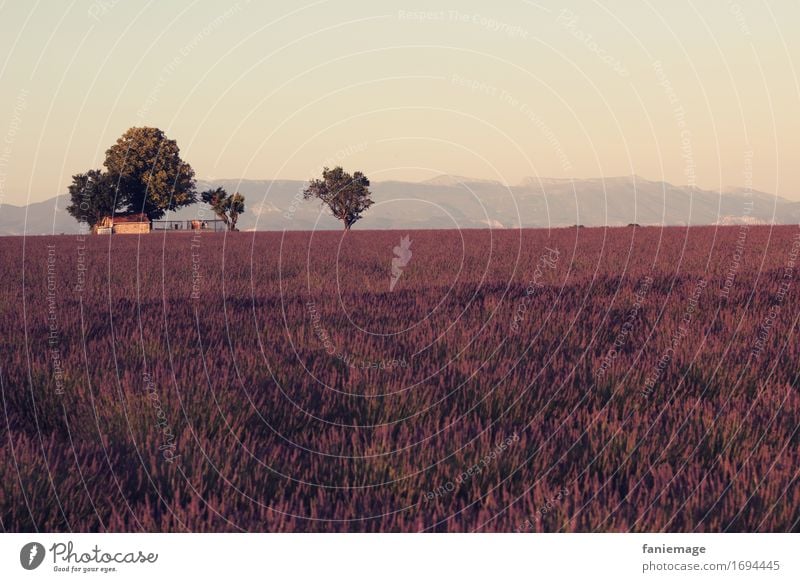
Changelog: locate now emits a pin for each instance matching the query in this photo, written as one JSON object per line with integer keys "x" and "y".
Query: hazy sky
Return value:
{"x": 702, "y": 92}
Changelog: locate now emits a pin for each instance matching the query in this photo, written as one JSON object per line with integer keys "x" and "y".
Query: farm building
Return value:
{"x": 124, "y": 224}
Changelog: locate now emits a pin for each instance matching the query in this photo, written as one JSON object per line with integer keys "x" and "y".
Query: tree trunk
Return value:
{"x": 224, "y": 218}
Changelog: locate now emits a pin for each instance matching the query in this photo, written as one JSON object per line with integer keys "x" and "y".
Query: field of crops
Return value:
{"x": 628, "y": 379}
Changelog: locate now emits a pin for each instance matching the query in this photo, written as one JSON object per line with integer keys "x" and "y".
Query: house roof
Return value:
{"x": 138, "y": 217}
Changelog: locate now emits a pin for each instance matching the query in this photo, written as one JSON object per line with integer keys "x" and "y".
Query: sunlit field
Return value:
{"x": 578, "y": 379}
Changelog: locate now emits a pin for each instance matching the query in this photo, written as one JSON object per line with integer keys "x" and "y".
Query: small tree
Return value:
{"x": 227, "y": 208}
{"x": 235, "y": 208}
{"x": 347, "y": 196}
{"x": 94, "y": 196}
{"x": 149, "y": 165}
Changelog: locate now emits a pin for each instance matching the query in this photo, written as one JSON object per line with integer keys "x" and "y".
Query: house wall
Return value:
{"x": 132, "y": 228}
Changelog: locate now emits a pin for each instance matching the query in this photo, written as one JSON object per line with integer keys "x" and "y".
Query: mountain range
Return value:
{"x": 460, "y": 202}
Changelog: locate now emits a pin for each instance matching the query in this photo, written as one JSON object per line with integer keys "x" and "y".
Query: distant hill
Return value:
{"x": 460, "y": 202}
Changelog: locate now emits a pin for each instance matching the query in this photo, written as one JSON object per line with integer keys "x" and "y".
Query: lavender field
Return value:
{"x": 578, "y": 379}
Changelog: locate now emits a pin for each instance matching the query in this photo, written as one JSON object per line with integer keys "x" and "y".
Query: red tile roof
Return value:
{"x": 139, "y": 217}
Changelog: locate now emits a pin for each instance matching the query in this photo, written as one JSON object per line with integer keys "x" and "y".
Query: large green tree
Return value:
{"x": 150, "y": 167}
{"x": 226, "y": 207}
{"x": 93, "y": 196}
{"x": 347, "y": 196}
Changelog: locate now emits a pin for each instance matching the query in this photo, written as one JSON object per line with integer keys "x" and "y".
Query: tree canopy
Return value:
{"x": 143, "y": 173}
{"x": 347, "y": 196}
{"x": 155, "y": 177}
{"x": 93, "y": 196}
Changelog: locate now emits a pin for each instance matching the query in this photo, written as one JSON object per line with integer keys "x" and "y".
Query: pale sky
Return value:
{"x": 698, "y": 92}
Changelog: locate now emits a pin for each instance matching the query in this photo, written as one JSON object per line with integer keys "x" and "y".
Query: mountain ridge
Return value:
{"x": 448, "y": 201}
